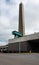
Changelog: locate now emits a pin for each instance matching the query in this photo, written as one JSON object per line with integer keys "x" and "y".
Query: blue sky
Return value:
{"x": 9, "y": 18}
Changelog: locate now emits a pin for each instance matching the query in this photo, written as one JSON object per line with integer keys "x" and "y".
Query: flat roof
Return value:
{"x": 24, "y": 38}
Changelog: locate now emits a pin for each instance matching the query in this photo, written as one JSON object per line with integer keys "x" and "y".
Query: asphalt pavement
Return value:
{"x": 19, "y": 59}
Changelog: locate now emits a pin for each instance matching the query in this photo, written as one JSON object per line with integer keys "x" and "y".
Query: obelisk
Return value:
{"x": 21, "y": 19}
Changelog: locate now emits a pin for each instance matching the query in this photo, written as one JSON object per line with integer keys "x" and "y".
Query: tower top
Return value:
{"x": 21, "y": 3}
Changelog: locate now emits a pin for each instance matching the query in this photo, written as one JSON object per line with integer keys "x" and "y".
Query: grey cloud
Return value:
{"x": 32, "y": 17}
{"x": 6, "y": 31}
{"x": 10, "y": 2}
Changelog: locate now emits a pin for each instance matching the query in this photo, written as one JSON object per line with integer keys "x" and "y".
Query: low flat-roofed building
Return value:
{"x": 24, "y": 44}
{"x": 4, "y": 48}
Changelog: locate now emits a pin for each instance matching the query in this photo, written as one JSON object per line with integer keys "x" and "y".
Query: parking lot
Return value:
{"x": 19, "y": 59}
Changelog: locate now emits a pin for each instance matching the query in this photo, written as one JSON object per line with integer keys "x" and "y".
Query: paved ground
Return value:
{"x": 19, "y": 59}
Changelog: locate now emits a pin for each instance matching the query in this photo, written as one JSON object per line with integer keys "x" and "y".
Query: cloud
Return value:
{"x": 32, "y": 17}
{"x": 4, "y": 21}
{"x": 35, "y": 2}
{"x": 3, "y": 43}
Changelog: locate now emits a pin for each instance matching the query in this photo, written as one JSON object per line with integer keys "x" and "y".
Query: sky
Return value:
{"x": 9, "y": 18}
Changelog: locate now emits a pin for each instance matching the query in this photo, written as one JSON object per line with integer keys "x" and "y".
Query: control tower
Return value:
{"x": 21, "y": 19}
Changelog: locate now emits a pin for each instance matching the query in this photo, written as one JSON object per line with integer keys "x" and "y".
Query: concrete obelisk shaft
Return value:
{"x": 21, "y": 19}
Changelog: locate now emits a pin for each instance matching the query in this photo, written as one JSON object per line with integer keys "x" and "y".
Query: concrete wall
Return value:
{"x": 19, "y": 47}
{"x": 13, "y": 47}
